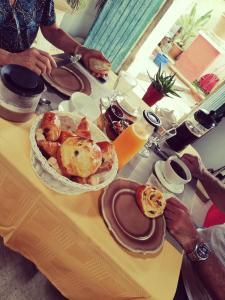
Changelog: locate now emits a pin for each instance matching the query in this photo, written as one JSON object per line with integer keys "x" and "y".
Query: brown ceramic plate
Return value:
{"x": 126, "y": 222}
{"x": 68, "y": 80}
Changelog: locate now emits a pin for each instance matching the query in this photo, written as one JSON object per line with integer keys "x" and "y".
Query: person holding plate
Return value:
{"x": 203, "y": 269}
{"x": 20, "y": 21}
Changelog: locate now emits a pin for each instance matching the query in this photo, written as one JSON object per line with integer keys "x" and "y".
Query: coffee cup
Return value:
{"x": 175, "y": 171}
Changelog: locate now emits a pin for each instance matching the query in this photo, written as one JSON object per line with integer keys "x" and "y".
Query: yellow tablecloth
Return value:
{"x": 66, "y": 237}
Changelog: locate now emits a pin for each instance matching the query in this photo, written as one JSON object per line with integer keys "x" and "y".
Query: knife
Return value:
{"x": 68, "y": 60}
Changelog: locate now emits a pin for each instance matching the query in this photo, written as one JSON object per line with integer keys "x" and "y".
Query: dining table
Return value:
{"x": 66, "y": 237}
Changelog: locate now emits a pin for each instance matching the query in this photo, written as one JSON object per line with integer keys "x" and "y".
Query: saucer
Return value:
{"x": 174, "y": 188}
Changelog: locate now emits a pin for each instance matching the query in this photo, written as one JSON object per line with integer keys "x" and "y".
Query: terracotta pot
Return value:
{"x": 152, "y": 95}
{"x": 175, "y": 51}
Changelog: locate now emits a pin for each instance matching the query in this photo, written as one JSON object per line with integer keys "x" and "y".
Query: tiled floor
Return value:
{"x": 20, "y": 279}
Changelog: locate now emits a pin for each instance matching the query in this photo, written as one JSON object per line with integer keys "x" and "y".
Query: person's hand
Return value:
{"x": 180, "y": 225}
{"x": 87, "y": 54}
{"x": 34, "y": 59}
{"x": 194, "y": 164}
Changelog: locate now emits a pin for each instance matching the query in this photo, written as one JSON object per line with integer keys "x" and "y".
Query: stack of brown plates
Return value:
{"x": 68, "y": 79}
{"x": 128, "y": 225}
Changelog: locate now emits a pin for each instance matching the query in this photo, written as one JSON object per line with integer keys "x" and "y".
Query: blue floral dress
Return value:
{"x": 19, "y": 23}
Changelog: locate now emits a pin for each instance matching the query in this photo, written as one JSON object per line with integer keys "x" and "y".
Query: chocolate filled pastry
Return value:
{"x": 150, "y": 201}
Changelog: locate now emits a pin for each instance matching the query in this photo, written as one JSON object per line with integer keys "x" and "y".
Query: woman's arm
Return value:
{"x": 36, "y": 60}
{"x": 60, "y": 38}
{"x": 65, "y": 42}
{"x": 4, "y": 57}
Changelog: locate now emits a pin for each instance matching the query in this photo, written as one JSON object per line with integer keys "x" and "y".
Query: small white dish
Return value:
{"x": 174, "y": 188}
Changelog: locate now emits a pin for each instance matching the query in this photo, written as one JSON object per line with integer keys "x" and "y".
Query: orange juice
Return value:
{"x": 130, "y": 142}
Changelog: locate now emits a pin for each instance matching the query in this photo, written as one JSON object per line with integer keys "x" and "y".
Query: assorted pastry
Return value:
{"x": 150, "y": 201}
{"x": 71, "y": 150}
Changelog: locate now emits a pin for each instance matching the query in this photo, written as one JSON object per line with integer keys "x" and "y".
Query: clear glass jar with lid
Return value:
{"x": 134, "y": 137}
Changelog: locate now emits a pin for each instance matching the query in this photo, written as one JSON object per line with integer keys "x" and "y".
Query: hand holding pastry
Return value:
{"x": 95, "y": 61}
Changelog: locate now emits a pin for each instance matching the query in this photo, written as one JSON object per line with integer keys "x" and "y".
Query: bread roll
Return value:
{"x": 99, "y": 66}
{"x": 79, "y": 157}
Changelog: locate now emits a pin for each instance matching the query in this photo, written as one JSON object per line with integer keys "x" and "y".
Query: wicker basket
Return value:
{"x": 60, "y": 183}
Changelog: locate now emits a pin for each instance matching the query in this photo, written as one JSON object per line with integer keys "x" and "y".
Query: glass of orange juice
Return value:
{"x": 134, "y": 137}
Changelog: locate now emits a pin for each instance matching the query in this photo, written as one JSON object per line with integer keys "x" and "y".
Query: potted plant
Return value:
{"x": 190, "y": 25}
{"x": 161, "y": 85}
{"x": 77, "y": 4}
{"x": 81, "y": 4}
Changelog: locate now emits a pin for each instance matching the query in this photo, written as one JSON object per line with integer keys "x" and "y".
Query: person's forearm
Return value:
{"x": 5, "y": 57}
{"x": 60, "y": 38}
{"x": 214, "y": 188}
{"x": 212, "y": 273}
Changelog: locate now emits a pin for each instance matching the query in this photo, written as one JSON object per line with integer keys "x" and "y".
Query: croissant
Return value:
{"x": 65, "y": 135}
{"x": 79, "y": 157}
{"x": 51, "y": 132}
{"x": 83, "y": 129}
{"x": 107, "y": 156}
{"x": 48, "y": 148}
{"x": 50, "y": 125}
{"x": 39, "y": 135}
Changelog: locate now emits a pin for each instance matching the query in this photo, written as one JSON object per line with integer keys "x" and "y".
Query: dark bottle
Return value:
{"x": 191, "y": 130}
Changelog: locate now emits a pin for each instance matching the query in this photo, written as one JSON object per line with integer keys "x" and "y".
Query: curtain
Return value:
{"x": 119, "y": 26}
{"x": 216, "y": 100}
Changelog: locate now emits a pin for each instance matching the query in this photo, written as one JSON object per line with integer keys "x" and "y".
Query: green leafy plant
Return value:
{"x": 77, "y": 4}
{"x": 190, "y": 25}
{"x": 164, "y": 83}
{"x": 81, "y": 4}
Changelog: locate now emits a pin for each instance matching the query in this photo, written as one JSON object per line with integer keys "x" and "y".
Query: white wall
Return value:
{"x": 79, "y": 23}
{"x": 173, "y": 13}
{"x": 178, "y": 8}
{"x": 218, "y": 7}
{"x": 211, "y": 147}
